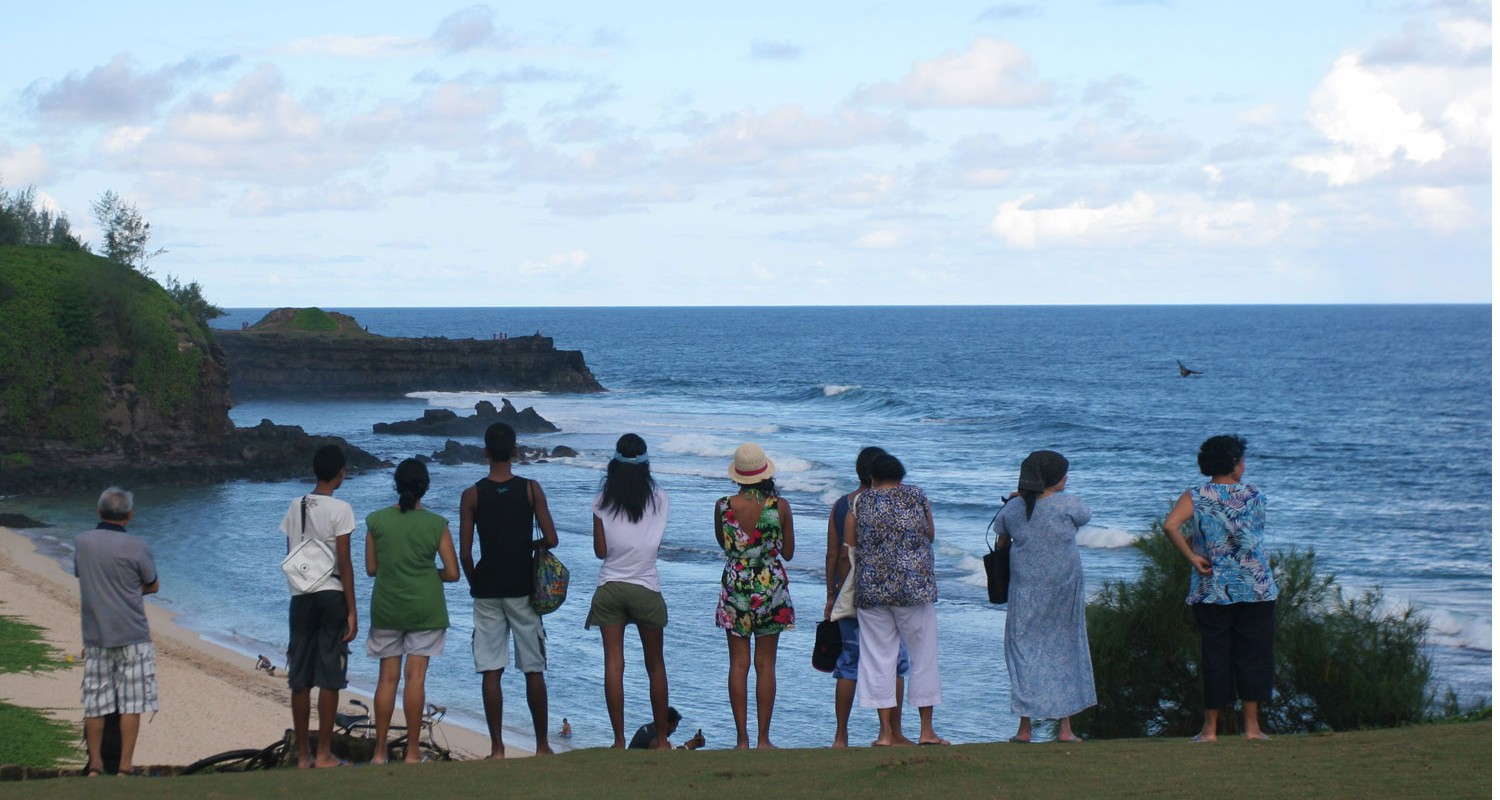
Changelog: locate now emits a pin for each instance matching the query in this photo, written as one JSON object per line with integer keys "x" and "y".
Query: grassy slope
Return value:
{"x": 29, "y": 737}
{"x": 1447, "y": 761}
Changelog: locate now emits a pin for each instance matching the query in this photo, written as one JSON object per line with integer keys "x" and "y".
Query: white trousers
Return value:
{"x": 882, "y": 631}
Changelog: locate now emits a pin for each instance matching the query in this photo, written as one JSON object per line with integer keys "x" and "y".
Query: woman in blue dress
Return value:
{"x": 1046, "y": 641}
{"x": 1233, "y": 593}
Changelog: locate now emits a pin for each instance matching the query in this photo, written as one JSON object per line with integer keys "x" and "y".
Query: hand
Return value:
{"x": 1201, "y": 564}
{"x": 351, "y": 627}
{"x": 828, "y": 608}
{"x": 696, "y": 742}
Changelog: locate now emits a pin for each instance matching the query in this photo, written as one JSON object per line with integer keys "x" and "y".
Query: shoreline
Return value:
{"x": 212, "y": 697}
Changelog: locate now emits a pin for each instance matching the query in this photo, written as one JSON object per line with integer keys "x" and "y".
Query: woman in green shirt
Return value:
{"x": 408, "y": 616}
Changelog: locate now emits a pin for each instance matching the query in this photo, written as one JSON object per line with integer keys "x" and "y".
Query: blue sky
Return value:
{"x": 675, "y": 153}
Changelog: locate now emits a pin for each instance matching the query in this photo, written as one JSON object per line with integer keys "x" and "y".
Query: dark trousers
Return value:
{"x": 1238, "y": 653}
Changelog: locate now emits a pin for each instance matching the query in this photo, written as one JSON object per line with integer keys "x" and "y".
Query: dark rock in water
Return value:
{"x": 19, "y": 521}
{"x": 442, "y": 422}
{"x": 454, "y": 453}
{"x": 270, "y": 451}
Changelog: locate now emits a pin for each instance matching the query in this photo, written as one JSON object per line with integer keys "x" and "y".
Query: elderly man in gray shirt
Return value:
{"x": 115, "y": 572}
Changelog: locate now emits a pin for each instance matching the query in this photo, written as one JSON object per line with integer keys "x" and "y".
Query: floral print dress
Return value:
{"x": 753, "y": 596}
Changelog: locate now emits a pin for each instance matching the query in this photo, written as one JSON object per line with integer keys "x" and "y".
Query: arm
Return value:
{"x": 1172, "y": 526}
{"x": 831, "y": 564}
{"x": 851, "y": 537}
{"x": 466, "y": 505}
{"x": 788, "y": 540}
{"x": 543, "y": 515}
{"x": 449, "y": 572}
{"x": 346, "y": 577}
{"x": 148, "y": 567}
{"x": 369, "y": 553}
{"x": 601, "y": 547}
{"x": 931, "y": 532}
{"x": 151, "y": 588}
{"x": 719, "y": 527}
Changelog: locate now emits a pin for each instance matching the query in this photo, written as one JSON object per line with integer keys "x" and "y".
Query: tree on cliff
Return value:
{"x": 190, "y": 297}
{"x": 25, "y": 221}
{"x": 127, "y": 234}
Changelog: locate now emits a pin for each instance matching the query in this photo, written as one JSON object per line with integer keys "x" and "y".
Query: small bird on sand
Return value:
{"x": 1185, "y": 371}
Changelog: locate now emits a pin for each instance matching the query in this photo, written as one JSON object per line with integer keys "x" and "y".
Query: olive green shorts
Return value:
{"x": 620, "y": 603}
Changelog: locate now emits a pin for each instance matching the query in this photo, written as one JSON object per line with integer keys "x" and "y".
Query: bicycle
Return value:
{"x": 353, "y": 741}
{"x": 360, "y": 728}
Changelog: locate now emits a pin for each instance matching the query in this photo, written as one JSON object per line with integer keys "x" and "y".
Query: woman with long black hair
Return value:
{"x": 630, "y": 517}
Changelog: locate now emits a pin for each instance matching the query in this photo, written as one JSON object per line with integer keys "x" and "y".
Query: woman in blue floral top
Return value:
{"x": 755, "y": 529}
{"x": 895, "y": 592}
{"x": 1233, "y": 593}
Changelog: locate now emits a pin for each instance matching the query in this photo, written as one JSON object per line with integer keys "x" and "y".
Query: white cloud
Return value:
{"x": 750, "y": 138}
{"x": 471, "y": 28}
{"x": 992, "y": 73}
{"x": 1368, "y": 126}
{"x": 24, "y": 166}
{"x": 880, "y": 239}
{"x": 1444, "y": 210}
{"x": 1027, "y": 228}
{"x": 557, "y": 264}
{"x": 1142, "y": 219}
{"x": 1261, "y": 116}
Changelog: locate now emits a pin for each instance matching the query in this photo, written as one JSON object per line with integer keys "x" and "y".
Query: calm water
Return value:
{"x": 1369, "y": 430}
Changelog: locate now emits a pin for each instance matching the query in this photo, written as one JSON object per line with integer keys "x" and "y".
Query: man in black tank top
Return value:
{"x": 502, "y": 507}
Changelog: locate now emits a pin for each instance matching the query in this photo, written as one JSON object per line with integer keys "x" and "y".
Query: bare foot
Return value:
{"x": 544, "y": 749}
{"x": 936, "y": 740}
{"x": 840, "y": 741}
{"x": 1204, "y": 738}
{"x": 900, "y": 740}
{"x": 765, "y": 745}
{"x": 1258, "y": 736}
{"x": 324, "y": 762}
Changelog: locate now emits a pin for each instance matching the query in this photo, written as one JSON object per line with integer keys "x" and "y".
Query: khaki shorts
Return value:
{"x": 497, "y": 620}
{"x": 621, "y": 603}
{"x": 387, "y": 643}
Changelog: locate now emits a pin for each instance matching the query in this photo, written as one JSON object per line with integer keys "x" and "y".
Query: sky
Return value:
{"x": 382, "y": 153}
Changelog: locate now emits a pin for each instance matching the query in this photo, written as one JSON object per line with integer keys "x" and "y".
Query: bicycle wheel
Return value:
{"x": 227, "y": 761}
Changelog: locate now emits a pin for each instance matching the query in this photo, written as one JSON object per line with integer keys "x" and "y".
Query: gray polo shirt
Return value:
{"x": 112, "y": 567}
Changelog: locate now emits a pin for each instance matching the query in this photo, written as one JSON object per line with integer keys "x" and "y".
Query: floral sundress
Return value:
{"x": 753, "y": 595}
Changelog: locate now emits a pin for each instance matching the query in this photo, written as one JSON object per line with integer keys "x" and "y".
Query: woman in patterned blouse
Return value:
{"x": 895, "y": 592}
{"x": 1233, "y": 593}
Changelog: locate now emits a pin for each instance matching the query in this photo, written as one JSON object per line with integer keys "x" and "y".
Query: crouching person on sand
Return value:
{"x": 115, "y": 572}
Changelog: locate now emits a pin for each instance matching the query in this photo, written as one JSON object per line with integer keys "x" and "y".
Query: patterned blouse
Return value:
{"x": 753, "y": 594}
{"x": 1230, "y": 522}
{"x": 893, "y": 556}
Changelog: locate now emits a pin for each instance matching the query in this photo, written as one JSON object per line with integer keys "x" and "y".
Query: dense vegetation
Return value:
{"x": 1342, "y": 662}
{"x": 31, "y": 738}
{"x": 67, "y": 319}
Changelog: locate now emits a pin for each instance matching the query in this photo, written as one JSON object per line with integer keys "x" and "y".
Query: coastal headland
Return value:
{"x": 317, "y": 354}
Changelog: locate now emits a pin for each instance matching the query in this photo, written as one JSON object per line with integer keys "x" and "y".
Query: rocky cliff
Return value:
{"x": 265, "y": 360}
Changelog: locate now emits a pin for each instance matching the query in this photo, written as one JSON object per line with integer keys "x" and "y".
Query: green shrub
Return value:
{"x": 313, "y": 319}
{"x": 1341, "y": 662}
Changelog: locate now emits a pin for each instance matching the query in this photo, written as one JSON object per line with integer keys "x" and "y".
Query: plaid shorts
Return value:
{"x": 119, "y": 679}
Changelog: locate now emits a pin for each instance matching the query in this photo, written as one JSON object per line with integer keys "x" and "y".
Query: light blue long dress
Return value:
{"x": 1046, "y": 641}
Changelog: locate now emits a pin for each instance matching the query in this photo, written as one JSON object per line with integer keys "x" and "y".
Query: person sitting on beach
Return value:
{"x": 323, "y": 619}
{"x": 754, "y": 527}
{"x": 502, "y": 507}
{"x": 630, "y": 518}
{"x": 846, "y": 668}
{"x": 645, "y": 736}
{"x": 264, "y": 665}
{"x": 408, "y": 614}
{"x": 115, "y": 572}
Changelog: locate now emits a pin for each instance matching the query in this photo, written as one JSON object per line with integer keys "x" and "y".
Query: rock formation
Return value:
{"x": 454, "y": 453}
{"x": 442, "y": 422}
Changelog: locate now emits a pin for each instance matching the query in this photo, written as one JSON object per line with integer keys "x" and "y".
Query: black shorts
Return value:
{"x": 316, "y": 655}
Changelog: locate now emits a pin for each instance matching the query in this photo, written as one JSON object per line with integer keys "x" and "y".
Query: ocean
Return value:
{"x": 1369, "y": 430}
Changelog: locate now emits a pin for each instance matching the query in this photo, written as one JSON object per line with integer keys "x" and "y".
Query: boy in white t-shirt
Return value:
{"x": 323, "y": 618}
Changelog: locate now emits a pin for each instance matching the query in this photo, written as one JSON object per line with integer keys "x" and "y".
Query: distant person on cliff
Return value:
{"x": 408, "y": 614}
{"x": 115, "y": 572}
{"x": 503, "y": 507}
{"x": 323, "y": 618}
{"x": 754, "y": 527}
{"x": 630, "y": 518}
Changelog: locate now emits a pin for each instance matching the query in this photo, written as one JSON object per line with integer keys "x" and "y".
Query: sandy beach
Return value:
{"x": 212, "y": 698}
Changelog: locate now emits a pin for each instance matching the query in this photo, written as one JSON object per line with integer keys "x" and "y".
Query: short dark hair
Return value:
{"x": 500, "y": 440}
{"x": 862, "y": 463}
{"x": 673, "y": 716}
{"x": 327, "y": 462}
{"x": 1219, "y": 454}
{"x": 411, "y": 483}
{"x": 887, "y": 467}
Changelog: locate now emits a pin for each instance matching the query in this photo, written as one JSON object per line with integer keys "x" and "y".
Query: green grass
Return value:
{"x": 1446, "y": 761}
{"x": 313, "y": 319}
{"x": 31, "y": 738}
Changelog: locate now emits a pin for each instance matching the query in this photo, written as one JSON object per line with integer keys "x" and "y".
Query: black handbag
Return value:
{"x": 997, "y": 565}
{"x": 827, "y": 644}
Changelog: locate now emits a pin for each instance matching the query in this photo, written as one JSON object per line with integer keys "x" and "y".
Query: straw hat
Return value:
{"x": 750, "y": 464}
